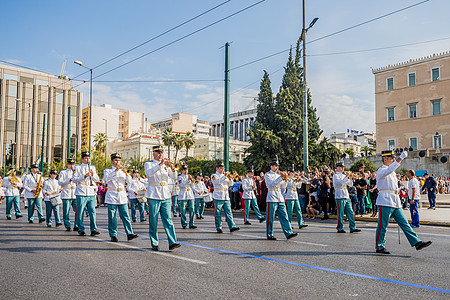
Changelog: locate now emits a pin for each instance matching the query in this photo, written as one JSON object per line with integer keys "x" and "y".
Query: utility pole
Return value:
{"x": 41, "y": 164}
{"x": 68, "y": 132}
{"x": 28, "y": 135}
{"x": 226, "y": 115}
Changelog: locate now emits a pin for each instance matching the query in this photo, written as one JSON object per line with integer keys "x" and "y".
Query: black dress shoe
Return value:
{"x": 262, "y": 220}
{"x": 75, "y": 228}
{"x": 271, "y": 238}
{"x": 143, "y": 220}
{"x": 201, "y": 218}
{"x": 421, "y": 245}
{"x": 356, "y": 230}
{"x": 304, "y": 225}
{"x": 292, "y": 235}
{"x": 8, "y": 218}
{"x": 234, "y": 229}
{"x": 192, "y": 227}
{"x": 68, "y": 229}
{"x": 155, "y": 248}
{"x": 247, "y": 223}
{"x": 49, "y": 225}
{"x": 184, "y": 227}
{"x": 131, "y": 236}
{"x": 58, "y": 224}
{"x": 174, "y": 246}
{"x": 81, "y": 233}
{"x": 94, "y": 233}
{"x": 198, "y": 218}
{"x": 219, "y": 231}
{"x": 19, "y": 216}
{"x": 114, "y": 239}
{"x": 341, "y": 231}
{"x": 134, "y": 221}
{"x": 41, "y": 220}
{"x": 31, "y": 222}
{"x": 383, "y": 251}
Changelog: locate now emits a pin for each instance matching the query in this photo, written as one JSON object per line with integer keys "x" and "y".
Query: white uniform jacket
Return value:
{"x": 67, "y": 184}
{"x": 199, "y": 189}
{"x": 291, "y": 189}
{"x": 50, "y": 186}
{"x": 116, "y": 193}
{"x": 29, "y": 183}
{"x": 158, "y": 180}
{"x": 185, "y": 186}
{"x": 9, "y": 190}
{"x": 85, "y": 186}
{"x": 221, "y": 184}
{"x": 174, "y": 187}
{"x": 340, "y": 183}
{"x": 247, "y": 186}
{"x": 135, "y": 185}
{"x": 387, "y": 185}
{"x": 274, "y": 183}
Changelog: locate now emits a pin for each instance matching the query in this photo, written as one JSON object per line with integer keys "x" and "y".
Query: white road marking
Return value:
{"x": 151, "y": 251}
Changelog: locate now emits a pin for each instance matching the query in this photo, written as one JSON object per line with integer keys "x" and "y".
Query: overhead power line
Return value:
{"x": 152, "y": 81}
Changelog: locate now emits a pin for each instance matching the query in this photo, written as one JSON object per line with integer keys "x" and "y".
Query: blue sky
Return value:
{"x": 41, "y": 34}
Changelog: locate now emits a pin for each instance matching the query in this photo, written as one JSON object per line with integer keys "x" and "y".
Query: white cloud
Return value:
{"x": 194, "y": 86}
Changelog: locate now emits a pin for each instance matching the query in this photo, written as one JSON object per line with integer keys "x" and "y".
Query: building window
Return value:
{"x": 413, "y": 143}
{"x": 59, "y": 98}
{"x": 390, "y": 113}
{"x": 435, "y": 74}
{"x": 437, "y": 141}
{"x": 10, "y": 77}
{"x": 436, "y": 107}
{"x": 412, "y": 79}
{"x": 412, "y": 109}
{"x": 390, "y": 83}
{"x": 391, "y": 144}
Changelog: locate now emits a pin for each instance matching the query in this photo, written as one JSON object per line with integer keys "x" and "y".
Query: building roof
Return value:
{"x": 411, "y": 62}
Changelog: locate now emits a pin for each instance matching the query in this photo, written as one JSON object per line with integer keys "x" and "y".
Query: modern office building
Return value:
{"x": 240, "y": 123}
{"x": 28, "y": 97}
{"x": 412, "y": 104}
{"x": 183, "y": 123}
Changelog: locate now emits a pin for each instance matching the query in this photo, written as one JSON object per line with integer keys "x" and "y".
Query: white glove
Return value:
{"x": 404, "y": 155}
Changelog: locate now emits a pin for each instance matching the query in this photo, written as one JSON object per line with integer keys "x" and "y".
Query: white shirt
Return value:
{"x": 158, "y": 180}
{"x": 116, "y": 193}
{"x": 247, "y": 186}
{"x": 185, "y": 186}
{"x": 85, "y": 186}
{"x": 291, "y": 189}
{"x": 274, "y": 183}
{"x": 50, "y": 186}
{"x": 221, "y": 184}
{"x": 414, "y": 183}
{"x": 199, "y": 189}
{"x": 9, "y": 189}
{"x": 174, "y": 187}
{"x": 68, "y": 186}
{"x": 340, "y": 183}
{"x": 29, "y": 183}
{"x": 135, "y": 185}
{"x": 387, "y": 185}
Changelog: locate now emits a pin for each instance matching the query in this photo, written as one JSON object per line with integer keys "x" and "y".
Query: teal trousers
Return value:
{"x": 384, "y": 214}
{"x": 293, "y": 205}
{"x": 31, "y": 203}
{"x": 49, "y": 208}
{"x": 190, "y": 204}
{"x": 10, "y": 200}
{"x": 280, "y": 209}
{"x": 163, "y": 208}
{"x": 255, "y": 206}
{"x": 141, "y": 207}
{"x": 345, "y": 206}
{"x": 112, "y": 219}
{"x": 88, "y": 203}
{"x": 67, "y": 204}
{"x": 199, "y": 207}
{"x": 226, "y": 205}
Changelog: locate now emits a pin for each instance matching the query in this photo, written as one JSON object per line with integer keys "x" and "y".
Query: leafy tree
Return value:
{"x": 100, "y": 140}
{"x": 135, "y": 162}
{"x": 168, "y": 139}
{"x": 365, "y": 150}
{"x": 189, "y": 141}
{"x": 325, "y": 154}
{"x": 178, "y": 143}
{"x": 369, "y": 166}
{"x": 350, "y": 152}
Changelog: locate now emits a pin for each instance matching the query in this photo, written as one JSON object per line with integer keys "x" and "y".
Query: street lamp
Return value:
{"x": 90, "y": 102}
{"x": 305, "y": 93}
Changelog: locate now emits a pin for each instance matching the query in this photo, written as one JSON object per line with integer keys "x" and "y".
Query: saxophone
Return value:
{"x": 13, "y": 179}
{"x": 39, "y": 187}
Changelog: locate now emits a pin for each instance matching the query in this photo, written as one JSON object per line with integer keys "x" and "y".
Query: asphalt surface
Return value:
{"x": 37, "y": 262}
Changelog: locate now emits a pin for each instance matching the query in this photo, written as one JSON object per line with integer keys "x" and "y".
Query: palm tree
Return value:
{"x": 178, "y": 143}
{"x": 168, "y": 139}
{"x": 100, "y": 140}
{"x": 366, "y": 150}
{"x": 189, "y": 141}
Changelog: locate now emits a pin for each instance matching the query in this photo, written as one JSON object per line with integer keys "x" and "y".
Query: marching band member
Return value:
{"x": 11, "y": 185}
{"x": 2, "y": 190}
{"x": 249, "y": 187}
{"x": 85, "y": 178}
{"x": 291, "y": 196}
{"x": 52, "y": 189}
{"x": 275, "y": 203}
{"x": 390, "y": 205}
{"x": 136, "y": 187}
{"x": 175, "y": 191}
{"x": 68, "y": 197}
{"x": 221, "y": 198}
{"x": 186, "y": 196}
{"x": 200, "y": 190}
{"x": 344, "y": 205}
{"x": 33, "y": 184}
{"x": 159, "y": 197}
{"x": 116, "y": 197}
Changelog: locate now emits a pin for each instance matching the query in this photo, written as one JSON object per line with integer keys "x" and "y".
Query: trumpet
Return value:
{"x": 171, "y": 165}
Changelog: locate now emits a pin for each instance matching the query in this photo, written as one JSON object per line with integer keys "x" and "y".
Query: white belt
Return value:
{"x": 275, "y": 190}
{"x": 341, "y": 188}
{"x": 185, "y": 190}
{"x": 82, "y": 183}
{"x": 162, "y": 183}
{"x": 116, "y": 190}
{"x": 69, "y": 188}
{"x": 292, "y": 190}
{"x": 221, "y": 189}
{"x": 389, "y": 191}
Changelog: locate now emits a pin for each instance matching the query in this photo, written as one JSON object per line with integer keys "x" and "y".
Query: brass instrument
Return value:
{"x": 39, "y": 186}
{"x": 13, "y": 179}
{"x": 234, "y": 176}
{"x": 171, "y": 165}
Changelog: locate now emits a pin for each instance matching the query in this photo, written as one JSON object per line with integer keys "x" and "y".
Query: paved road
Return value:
{"x": 49, "y": 263}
